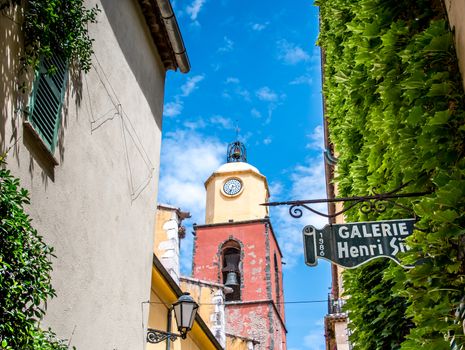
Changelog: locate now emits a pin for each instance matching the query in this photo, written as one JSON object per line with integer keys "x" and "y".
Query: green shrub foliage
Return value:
{"x": 25, "y": 269}
{"x": 395, "y": 108}
{"x": 55, "y": 27}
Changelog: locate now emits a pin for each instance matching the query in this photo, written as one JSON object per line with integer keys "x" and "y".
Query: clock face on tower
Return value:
{"x": 232, "y": 186}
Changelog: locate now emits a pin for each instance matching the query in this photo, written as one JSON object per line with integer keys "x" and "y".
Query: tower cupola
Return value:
{"x": 236, "y": 189}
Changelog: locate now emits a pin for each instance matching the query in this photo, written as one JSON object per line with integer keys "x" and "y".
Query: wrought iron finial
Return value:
{"x": 236, "y": 152}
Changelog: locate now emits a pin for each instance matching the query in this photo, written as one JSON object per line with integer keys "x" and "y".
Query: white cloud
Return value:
{"x": 259, "y": 26}
{"x": 316, "y": 139}
{"x": 255, "y": 113}
{"x": 236, "y": 88}
{"x": 276, "y": 188}
{"x": 182, "y": 175}
{"x": 172, "y": 109}
{"x": 232, "y": 80}
{"x": 181, "y": 152}
{"x": 267, "y": 140}
{"x": 191, "y": 84}
{"x": 307, "y": 182}
{"x": 245, "y": 94}
{"x": 266, "y": 94}
{"x": 221, "y": 121}
{"x": 228, "y": 45}
{"x": 290, "y": 53}
{"x": 302, "y": 80}
{"x": 194, "y": 9}
{"x": 244, "y": 138}
{"x": 193, "y": 125}
{"x": 315, "y": 339}
{"x": 271, "y": 108}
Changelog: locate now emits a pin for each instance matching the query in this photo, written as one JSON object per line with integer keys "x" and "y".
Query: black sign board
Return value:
{"x": 352, "y": 244}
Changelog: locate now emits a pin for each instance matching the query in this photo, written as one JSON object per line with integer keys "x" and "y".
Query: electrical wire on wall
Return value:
{"x": 283, "y": 303}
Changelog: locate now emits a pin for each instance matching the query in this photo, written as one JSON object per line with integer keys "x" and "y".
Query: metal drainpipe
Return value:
{"x": 168, "y": 327}
{"x": 174, "y": 35}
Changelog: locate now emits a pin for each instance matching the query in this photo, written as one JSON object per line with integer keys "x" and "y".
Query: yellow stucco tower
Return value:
{"x": 235, "y": 190}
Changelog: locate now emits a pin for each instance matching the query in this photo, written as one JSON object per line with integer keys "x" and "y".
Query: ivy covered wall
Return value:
{"x": 395, "y": 112}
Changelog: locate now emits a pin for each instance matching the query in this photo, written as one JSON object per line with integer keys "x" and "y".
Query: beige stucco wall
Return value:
{"x": 166, "y": 240}
{"x": 222, "y": 208}
{"x": 456, "y": 14}
{"x": 210, "y": 298}
{"x": 96, "y": 206}
{"x": 340, "y": 331}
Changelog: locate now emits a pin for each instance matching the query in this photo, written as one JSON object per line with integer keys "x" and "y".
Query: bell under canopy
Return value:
{"x": 236, "y": 152}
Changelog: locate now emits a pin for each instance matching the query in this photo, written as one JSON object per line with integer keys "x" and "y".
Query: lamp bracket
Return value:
{"x": 155, "y": 336}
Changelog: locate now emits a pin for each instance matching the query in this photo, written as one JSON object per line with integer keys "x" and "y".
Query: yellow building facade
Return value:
{"x": 164, "y": 293}
{"x": 166, "y": 287}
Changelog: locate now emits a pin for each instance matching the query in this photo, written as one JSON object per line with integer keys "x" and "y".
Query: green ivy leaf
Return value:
{"x": 395, "y": 107}
{"x": 440, "y": 118}
{"x": 25, "y": 269}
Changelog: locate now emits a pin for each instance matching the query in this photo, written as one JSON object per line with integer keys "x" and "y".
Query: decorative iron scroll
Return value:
{"x": 156, "y": 336}
{"x": 374, "y": 203}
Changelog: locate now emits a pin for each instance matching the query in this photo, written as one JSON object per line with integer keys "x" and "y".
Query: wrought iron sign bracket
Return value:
{"x": 156, "y": 336}
{"x": 374, "y": 203}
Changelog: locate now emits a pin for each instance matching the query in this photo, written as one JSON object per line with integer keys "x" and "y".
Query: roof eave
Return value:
{"x": 166, "y": 36}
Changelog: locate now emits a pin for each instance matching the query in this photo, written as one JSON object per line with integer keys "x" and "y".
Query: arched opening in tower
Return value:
{"x": 231, "y": 274}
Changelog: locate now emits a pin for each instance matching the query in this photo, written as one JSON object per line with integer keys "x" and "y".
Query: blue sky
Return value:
{"x": 255, "y": 65}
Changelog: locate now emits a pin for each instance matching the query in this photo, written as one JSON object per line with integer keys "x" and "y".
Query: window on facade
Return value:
{"x": 231, "y": 257}
{"x": 47, "y": 99}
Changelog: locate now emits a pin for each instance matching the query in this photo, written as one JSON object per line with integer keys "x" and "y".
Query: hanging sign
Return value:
{"x": 353, "y": 244}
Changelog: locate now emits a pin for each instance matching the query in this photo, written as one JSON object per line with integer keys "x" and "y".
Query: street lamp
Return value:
{"x": 185, "y": 309}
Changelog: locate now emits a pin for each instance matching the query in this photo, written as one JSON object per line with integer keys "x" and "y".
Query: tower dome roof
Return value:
{"x": 236, "y": 166}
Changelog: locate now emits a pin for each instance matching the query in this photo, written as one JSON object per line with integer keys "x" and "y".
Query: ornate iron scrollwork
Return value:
{"x": 377, "y": 205}
{"x": 156, "y": 336}
{"x": 374, "y": 203}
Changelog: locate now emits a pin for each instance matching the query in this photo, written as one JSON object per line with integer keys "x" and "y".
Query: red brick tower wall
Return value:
{"x": 259, "y": 314}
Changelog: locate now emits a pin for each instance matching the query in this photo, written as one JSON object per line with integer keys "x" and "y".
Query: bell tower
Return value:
{"x": 237, "y": 247}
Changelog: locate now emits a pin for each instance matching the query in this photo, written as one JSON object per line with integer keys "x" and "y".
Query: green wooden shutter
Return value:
{"x": 47, "y": 99}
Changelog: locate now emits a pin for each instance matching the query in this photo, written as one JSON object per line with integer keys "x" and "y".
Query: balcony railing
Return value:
{"x": 335, "y": 305}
